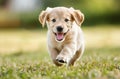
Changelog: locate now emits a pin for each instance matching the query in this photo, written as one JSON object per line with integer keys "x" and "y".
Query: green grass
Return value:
{"x": 95, "y": 64}
{"x": 101, "y": 60}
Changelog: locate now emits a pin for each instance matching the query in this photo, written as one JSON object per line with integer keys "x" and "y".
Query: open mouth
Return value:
{"x": 60, "y": 36}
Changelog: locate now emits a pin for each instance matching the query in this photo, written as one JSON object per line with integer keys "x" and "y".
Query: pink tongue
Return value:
{"x": 59, "y": 36}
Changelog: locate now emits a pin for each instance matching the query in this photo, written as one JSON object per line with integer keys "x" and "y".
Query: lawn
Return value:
{"x": 23, "y": 55}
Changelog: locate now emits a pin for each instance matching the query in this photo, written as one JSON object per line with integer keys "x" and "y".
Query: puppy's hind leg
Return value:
{"x": 77, "y": 55}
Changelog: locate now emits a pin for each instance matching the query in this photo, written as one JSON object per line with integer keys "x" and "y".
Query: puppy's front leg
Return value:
{"x": 53, "y": 53}
{"x": 67, "y": 53}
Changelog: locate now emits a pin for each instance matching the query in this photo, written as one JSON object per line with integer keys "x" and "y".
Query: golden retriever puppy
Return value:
{"x": 64, "y": 38}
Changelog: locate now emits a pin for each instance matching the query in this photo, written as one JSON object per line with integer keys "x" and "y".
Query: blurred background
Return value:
{"x": 20, "y": 29}
{"x": 24, "y": 13}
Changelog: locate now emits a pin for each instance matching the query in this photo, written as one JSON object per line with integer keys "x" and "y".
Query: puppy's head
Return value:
{"x": 59, "y": 20}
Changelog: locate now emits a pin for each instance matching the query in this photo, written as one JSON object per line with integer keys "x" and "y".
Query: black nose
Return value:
{"x": 59, "y": 29}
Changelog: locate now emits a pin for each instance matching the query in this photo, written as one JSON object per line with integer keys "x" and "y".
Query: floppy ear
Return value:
{"x": 44, "y": 15}
{"x": 77, "y": 15}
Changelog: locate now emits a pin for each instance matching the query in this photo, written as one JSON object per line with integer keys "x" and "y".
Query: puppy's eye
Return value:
{"x": 53, "y": 20}
{"x": 66, "y": 20}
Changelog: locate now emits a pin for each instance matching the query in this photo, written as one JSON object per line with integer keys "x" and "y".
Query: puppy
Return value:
{"x": 65, "y": 37}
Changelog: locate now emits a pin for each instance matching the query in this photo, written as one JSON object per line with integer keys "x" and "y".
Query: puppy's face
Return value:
{"x": 60, "y": 19}
{"x": 60, "y": 22}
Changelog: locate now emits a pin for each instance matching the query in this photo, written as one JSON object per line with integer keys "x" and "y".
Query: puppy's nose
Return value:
{"x": 59, "y": 29}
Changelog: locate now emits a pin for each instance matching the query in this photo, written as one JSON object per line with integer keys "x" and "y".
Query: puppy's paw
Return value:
{"x": 61, "y": 59}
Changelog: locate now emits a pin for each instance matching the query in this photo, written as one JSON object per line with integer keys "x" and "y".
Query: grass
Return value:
{"x": 23, "y": 55}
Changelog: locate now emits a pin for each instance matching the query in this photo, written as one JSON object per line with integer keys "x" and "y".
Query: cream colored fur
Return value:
{"x": 71, "y": 45}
